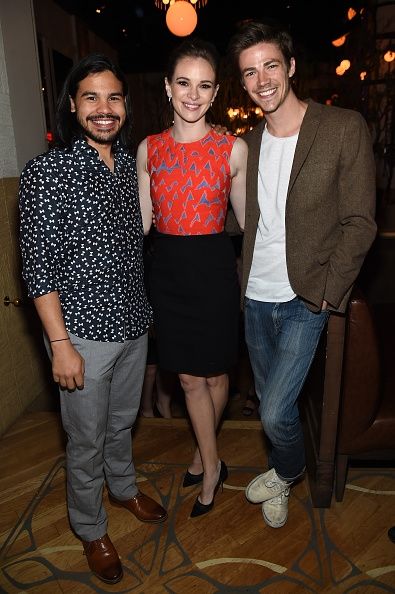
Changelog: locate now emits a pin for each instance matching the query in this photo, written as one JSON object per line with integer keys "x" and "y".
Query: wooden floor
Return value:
{"x": 230, "y": 550}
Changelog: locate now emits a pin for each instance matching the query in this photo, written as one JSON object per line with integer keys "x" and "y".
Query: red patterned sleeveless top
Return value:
{"x": 190, "y": 182}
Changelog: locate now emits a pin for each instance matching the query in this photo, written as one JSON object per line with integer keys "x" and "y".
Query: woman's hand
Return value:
{"x": 221, "y": 129}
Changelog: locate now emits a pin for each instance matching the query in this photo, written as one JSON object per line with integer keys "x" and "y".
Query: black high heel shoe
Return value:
{"x": 200, "y": 508}
{"x": 192, "y": 479}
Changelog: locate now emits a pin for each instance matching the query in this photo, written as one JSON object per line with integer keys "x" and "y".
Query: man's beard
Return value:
{"x": 105, "y": 139}
{"x": 99, "y": 137}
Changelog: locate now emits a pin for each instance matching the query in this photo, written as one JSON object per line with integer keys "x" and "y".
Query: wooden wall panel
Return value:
{"x": 23, "y": 364}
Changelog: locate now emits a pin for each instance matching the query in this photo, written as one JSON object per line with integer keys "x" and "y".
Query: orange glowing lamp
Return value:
{"x": 181, "y": 18}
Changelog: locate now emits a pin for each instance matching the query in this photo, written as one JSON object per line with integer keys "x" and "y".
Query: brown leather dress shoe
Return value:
{"x": 103, "y": 559}
{"x": 143, "y": 507}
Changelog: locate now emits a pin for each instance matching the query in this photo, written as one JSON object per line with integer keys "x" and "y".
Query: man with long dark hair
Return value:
{"x": 81, "y": 243}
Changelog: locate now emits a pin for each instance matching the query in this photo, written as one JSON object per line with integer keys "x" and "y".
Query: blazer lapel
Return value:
{"x": 254, "y": 148}
{"x": 307, "y": 133}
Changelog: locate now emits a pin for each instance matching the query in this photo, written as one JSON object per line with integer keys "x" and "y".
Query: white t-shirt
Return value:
{"x": 268, "y": 280}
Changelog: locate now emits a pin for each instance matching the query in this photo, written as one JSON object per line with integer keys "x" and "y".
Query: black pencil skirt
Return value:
{"x": 194, "y": 293}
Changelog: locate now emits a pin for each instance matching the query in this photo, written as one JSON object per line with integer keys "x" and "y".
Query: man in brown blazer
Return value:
{"x": 309, "y": 224}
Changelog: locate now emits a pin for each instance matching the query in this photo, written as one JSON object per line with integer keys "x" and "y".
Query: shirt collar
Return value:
{"x": 81, "y": 147}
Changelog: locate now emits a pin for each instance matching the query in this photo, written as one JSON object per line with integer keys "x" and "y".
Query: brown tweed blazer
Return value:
{"x": 330, "y": 205}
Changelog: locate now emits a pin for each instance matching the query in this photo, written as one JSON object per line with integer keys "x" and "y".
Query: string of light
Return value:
{"x": 165, "y": 4}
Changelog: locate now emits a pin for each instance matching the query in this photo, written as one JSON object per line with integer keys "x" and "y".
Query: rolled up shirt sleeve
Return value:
{"x": 39, "y": 228}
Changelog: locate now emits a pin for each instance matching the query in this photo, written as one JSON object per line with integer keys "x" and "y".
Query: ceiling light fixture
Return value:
{"x": 165, "y": 4}
{"x": 181, "y": 16}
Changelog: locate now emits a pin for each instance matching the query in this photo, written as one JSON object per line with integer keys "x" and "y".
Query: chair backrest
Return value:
{"x": 361, "y": 384}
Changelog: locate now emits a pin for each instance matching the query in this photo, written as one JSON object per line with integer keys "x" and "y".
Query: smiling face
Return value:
{"x": 192, "y": 88}
{"x": 99, "y": 106}
{"x": 265, "y": 75}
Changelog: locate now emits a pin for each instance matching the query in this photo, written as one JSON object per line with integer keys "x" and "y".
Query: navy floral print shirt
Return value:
{"x": 81, "y": 234}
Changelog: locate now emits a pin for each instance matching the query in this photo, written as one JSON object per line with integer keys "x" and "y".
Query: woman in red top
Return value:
{"x": 187, "y": 173}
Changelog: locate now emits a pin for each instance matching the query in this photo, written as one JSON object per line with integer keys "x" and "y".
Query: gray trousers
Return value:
{"x": 98, "y": 421}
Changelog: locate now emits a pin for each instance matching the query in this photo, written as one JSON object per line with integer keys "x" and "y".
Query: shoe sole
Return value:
{"x": 271, "y": 524}
{"x": 150, "y": 521}
{"x": 102, "y": 579}
{"x": 248, "y": 487}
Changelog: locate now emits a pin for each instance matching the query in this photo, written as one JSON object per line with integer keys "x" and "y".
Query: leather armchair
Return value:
{"x": 366, "y": 426}
{"x": 348, "y": 402}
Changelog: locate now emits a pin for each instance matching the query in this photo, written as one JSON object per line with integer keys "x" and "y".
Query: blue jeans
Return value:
{"x": 282, "y": 339}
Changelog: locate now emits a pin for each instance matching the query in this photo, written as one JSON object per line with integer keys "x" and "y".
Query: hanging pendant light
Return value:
{"x": 165, "y": 4}
{"x": 181, "y": 18}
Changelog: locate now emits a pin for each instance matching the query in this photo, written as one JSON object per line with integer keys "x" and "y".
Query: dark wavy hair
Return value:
{"x": 67, "y": 127}
{"x": 193, "y": 47}
{"x": 251, "y": 33}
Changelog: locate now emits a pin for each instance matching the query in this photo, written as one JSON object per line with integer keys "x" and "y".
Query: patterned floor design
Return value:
{"x": 317, "y": 550}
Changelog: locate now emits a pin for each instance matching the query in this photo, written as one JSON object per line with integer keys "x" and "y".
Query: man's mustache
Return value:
{"x": 104, "y": 116}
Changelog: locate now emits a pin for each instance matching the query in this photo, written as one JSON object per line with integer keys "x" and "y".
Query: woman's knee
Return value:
{"x": 217, "y": 381}
{"x": 191, "y": 383}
